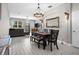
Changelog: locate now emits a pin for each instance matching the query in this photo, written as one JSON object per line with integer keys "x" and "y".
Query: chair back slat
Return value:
{"x": 54, "y": 34}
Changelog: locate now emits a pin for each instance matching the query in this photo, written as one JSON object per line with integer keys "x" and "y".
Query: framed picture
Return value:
{"x": 52, "y": 22}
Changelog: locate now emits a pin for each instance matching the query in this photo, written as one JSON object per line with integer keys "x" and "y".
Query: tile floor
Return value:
{"x": 23, "y": 46}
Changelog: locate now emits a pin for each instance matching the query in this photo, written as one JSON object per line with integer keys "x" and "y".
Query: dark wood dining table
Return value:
{"x": 45, "y": 36}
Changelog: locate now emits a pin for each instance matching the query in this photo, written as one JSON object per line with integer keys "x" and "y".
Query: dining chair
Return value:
{"x": 53, "y": 38}
{"x": 46, "y": 30}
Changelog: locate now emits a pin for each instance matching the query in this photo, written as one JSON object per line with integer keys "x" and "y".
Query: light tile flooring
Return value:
{"x": 23, "y": 46}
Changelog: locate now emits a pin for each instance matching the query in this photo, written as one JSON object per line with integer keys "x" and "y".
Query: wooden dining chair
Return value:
{"x": 53, "y": 38}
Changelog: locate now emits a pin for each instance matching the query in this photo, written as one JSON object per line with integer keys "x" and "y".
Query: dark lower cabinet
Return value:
{"x": 16, "y": 32}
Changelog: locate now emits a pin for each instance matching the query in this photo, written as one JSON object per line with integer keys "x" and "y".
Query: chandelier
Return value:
{"x": 38, "y": 13}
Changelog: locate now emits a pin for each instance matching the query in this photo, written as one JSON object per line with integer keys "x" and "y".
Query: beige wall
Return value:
{"x": 4, "y": 22}
{"x": 64, "y": 29}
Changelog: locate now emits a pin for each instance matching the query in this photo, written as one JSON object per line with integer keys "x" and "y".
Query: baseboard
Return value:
{"x": 63, "y": 42}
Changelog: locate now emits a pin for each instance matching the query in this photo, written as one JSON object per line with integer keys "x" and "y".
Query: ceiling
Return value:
{"x": 27, "y": 9}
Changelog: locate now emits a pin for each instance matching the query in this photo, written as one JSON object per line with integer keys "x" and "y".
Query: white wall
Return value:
{"x": 64, "y": 24}
{"x": 75, "y": 7}
{"x": 4, "y": 22}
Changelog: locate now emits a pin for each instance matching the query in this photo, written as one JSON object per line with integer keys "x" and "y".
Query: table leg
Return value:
{"x": 44, "y": 43}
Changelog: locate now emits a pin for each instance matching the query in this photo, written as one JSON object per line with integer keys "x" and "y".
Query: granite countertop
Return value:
{"x": 1, "y": 50}
{"x": 3, "y": 43}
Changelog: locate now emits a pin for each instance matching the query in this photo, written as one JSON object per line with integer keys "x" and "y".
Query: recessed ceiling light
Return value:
{"x": 19, "y": 13}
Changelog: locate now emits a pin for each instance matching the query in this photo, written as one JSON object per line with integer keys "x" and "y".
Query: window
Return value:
{"x": 17, "y": 24}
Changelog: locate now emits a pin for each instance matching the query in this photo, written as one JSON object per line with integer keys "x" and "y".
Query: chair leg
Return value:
{"x": 51, "y": 46}
{"x": 48, "y": 42}
{"x": 44, "y": 44}
{"x": 34, "y": 39}
{"x": 38, "y": 44}
{"x": 57, "y": 46}
{"x": 54, "y": 44}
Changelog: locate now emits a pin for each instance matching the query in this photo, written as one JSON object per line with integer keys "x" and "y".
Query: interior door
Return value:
{"x": 75, "y": 28}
